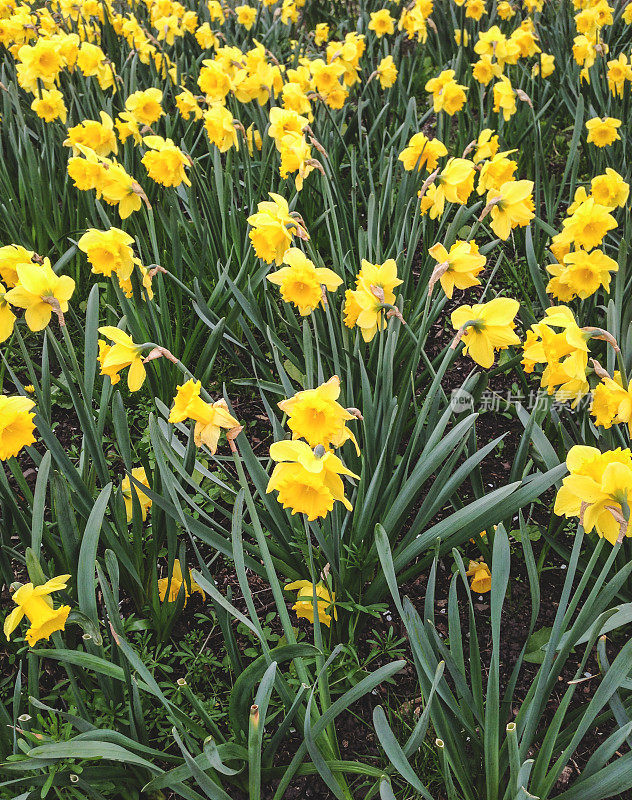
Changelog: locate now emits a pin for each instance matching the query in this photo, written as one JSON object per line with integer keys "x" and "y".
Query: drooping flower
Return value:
{"x": 304, "y": 605}
{"x": 16, "y": 425}
{"x": 486, "y": 327}
{"x": 128, "y": 489}
{"x": 40, "y": 291}
{"x": 481, "y": 577}
{"x": 176, "y": 584}
{"x": 35, "y": 603}
{"x": 10, "y": 256}
{"x": 316, "y": 416}
{"x": 123, "y": 353}
{"x": 307, "y": 481}
{"x": 459, "y": 267}
{"x": 209, "y": 418}
{"x": 513, "y": 207}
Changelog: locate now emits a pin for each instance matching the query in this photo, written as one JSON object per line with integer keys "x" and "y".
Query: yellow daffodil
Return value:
{"x": 123, "y": 353}
{"x": 16, "y": 425}
{"x": 581, "y": 275}
{"x": 612, "y": 402}
{"x": 481, "y": 577}
{"x": 422, "y": 152}
{"x": 272, "y": 228}
{"x": 316, "y": 416}
{"x": 40, "y": 291}
{"x": 35, "y": 603}
{"x": 210, "y": 418}
{"x": 304, "y": 605}
{"x": 128, "y": 489}
{"x": 486, "y": 327}
{"x": 145, "y": 106}
{"x": 307, "y": 481}
{"x": 108, "y": 251}
{"x": 165, "y": 162}
{"x": 302, "y": 283}
{"x": 598, "y": 490}
{"x": 603, "y": 132}
{"x": 176, "y": 584}
{"x": 459, "y": 267}
{"x": 511, "y": 207}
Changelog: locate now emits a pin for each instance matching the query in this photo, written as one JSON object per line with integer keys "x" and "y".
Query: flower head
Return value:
{"x": 487, "y": 327}
{"x": 304, "y": 605}
{"x": 316, "y": 416}
{"x": 16, "y": 425}
{"x": 35, "y": 603}
{"x": 176, "y": 584}
{"x": 307, "y": 481}
{"x": 40, "y": 291}
{"x": 128, "y": 489}
{"x": 123, "y": 353}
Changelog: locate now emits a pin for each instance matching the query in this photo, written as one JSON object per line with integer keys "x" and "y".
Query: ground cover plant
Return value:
{"x": 316, "y": 399}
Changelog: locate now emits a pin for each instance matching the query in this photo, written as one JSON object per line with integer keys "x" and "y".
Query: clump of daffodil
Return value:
{"x": 480, "y": 577}
{"x": 209, "y": 418}
{"x": 272, "y": 229}
{"x": 40, "y": 292}
{"x": 302, "y": 283}
{"x": 485, "y": 328}
{"x": 457, "y": 268}
{"x": 304, "y": 605}
{"x": 316, "y": 416}
{"x": 16, "y": 425}
{"x": 123, "y": 353}
{"x": 128, "y": 489}
{"x": 307, "y": 481}
{"x": 564, "y": 353}
{"x": 169, "y": 590}
{"x": 598, "y": 490}
{"x": 373, "y": 300}
{"x": 35, "y": 603}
